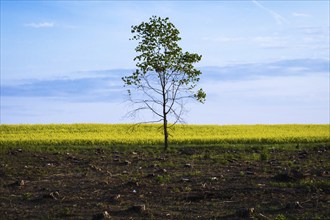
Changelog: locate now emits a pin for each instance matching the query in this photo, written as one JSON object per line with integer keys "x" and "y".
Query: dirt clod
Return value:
{"x": 245, "y": 212}
{"x": 137, "y": 208}
{"x": 188, "y": 165}
{"x": 101, "y": 216}
{"x": 126, "y": 162}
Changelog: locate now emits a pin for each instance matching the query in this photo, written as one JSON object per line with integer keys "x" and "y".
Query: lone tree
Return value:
{"x": 165, "y": 76}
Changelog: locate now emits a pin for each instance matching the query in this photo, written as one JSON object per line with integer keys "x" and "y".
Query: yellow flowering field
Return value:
{"x": 151, "y": 134}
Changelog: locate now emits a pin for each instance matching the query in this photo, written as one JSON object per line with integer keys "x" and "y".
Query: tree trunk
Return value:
{"x": 163, "y": 83}
{"x": 165, "y": 134}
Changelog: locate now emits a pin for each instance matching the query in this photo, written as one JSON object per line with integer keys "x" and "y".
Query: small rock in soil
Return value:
{"x": 302, "y": 154}
{"x": 95, "y": 168}
{"x": 14, "y": 152}
{"x": 249, "y": 173}
{"x": 19, "y": 184}
{"x": 52, "y": 195}
{"x": 187, "y": 165}
{"x": 137, "y": 208}
{"x": 150, "y": 175}
{"x": 295, "y": 205}
{"x": 245, "y": 213}
{"x": 161, "y": 171}
{"x": 262, "y": 217}
{"x": 298, "y": 206}
{"x": 114, "y": 199}
{"x": 103, "y": 215}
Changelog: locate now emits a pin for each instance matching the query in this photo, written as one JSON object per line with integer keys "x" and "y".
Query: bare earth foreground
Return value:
{"x": 230, "y": 182}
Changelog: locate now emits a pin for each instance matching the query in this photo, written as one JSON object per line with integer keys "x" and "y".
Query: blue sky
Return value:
{"x": 263, "y": 61}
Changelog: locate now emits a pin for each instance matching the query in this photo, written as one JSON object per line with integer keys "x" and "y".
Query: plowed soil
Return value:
{"x": 185, "y": 183}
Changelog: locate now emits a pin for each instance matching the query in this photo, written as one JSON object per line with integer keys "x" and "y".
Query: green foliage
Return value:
{"x": 163, "y": 179}
{"x": 280, "y": 217}
{"x": 161, "y": 56}
{"x": 27, "y": 196}
{"x": 264, "y": 155}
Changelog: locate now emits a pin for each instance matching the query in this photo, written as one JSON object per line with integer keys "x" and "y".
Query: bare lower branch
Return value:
{"x": 153, "y": 110}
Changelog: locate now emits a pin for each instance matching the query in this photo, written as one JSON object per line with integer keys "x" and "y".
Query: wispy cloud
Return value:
{"x": 268, "y": 42}
{"x": 91, "y": 86}
{"x": 224, "y": 39}
{"x": 314, "y": 31}
{"x": 278, "y": 18}
{"x": 40, "y": 25}
{"x": 297, "y": 14}
{"x": 271, "y": 42}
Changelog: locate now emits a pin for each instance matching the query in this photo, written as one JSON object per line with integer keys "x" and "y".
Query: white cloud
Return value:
{"x": 40, "y": 25}
{"x": 297, "y": 14}
{"x": 315, "y": 31}
{"x": 271, "y": 41}
{"x": 262, "y": 41}
{"x": 224, "y": 39}
{"x": 278, "y": 18}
